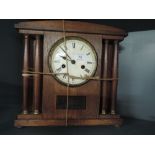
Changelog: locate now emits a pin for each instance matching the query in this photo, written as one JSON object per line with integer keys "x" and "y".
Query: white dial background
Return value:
{"x": 83, "y": 56}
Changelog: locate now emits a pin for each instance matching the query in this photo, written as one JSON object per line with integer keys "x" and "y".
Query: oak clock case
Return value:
{"x": 92, "y": 51}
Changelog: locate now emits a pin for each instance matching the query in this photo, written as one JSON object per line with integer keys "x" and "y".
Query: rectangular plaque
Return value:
{"x": 74, "y": 102}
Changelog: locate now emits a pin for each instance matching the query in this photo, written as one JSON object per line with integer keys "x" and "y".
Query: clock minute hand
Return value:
{"x": 66, "y": 53}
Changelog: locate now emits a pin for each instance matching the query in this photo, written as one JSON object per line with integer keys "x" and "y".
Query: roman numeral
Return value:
{"x": 87, "y": 70}
{"x": 58, "y": 70}
{"x": 82, "y": 48}
{"x": 88, "y": 54}
{"x": 73, "y": 44}
{"x": 64, "y": 76}
{"x": 89, "y": 62}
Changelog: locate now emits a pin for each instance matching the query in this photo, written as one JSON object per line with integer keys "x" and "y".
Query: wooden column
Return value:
{"x": 105, "y": 75}
{"x": 115, "y": 76}
{"x": 37, "y": 77}
{"x": 25, "y": 78}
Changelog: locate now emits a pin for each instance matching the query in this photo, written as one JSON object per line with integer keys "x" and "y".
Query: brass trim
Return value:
{"x": 61, "y": 41}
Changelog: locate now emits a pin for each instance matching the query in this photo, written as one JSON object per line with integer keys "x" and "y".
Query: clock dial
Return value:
{"x": 77, "y": 56}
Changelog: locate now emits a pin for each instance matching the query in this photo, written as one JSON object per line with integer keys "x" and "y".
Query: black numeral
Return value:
{"x": 73, "y": 44}
{"x": 88, "y": 54}
{"x": 58, "y": 70}
{"x": 82, "y": 48}
{"x": 89, "y": 62}
{"x": 87, "y": 70}
{"x": 64, "y": 76}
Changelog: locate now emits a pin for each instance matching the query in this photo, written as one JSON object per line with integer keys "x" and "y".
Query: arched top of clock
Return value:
{"x": 70, "y": 26}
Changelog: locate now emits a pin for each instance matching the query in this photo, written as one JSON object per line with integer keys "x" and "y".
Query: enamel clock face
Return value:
{"x": 74, "y": 56}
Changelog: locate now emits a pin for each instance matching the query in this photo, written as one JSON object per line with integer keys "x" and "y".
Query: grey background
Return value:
{"x": 136, "y": 97}
{"x": 136, "y": 93}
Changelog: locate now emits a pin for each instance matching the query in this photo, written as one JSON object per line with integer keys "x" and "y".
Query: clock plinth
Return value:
{"x": 40, "y": 120}
{"x": 74, "y": 84}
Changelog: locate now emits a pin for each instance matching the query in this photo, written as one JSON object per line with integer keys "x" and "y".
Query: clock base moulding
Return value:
{"x": 39, "y": 120}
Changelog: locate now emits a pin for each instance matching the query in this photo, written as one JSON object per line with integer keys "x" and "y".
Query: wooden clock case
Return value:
{"x": 44, "y": 98}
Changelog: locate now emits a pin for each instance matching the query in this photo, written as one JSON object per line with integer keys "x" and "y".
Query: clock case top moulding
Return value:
{"x": 40, "y": 91}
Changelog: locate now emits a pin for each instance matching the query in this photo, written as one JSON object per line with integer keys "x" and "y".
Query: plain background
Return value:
{"x": 136, "y": 93}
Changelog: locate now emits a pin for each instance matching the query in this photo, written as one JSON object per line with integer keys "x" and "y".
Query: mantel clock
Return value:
{"x": 70, "y": 73}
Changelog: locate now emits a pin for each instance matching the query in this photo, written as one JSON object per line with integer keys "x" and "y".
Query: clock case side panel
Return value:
{"x": 52, "y": 88}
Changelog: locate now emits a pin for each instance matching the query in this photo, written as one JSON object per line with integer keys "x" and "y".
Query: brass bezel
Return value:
{"x": 57, "y": 43}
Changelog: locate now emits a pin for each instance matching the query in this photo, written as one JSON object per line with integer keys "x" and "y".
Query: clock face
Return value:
{"x": 75, "y": 56}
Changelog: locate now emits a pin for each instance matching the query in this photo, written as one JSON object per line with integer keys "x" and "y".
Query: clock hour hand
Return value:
{"x": 72, "y": 61}
{"x": 63, "y": 57}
